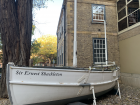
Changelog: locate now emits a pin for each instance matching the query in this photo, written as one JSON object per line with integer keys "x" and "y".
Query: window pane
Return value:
{"x": 101, "y": 51}
{"x": 98, "y": 9}
{"x": 100, "y": 45}
{"x": 98, "y": 59}
{"x": 94, "y": 51}
{"x": 94, "y": 41}
{"x": 132, "y": 6}
{"x": 101, "y": 60}
{"x": 122, "y": 13}
{"x": 134, "y": 18}
{"x": 122, "y": 24}
{"x": 97, "y": 45}
{"x": 103, "y": 41}
{"x": 98, "y": 13}
{"x": 95, "y": 60}
{"x": 104, "y": 59}
{"x": 97, "y": 41}
{"x": 100, "y": 16}
{"x": 120, "y": 4}
{"x": 104, "y": 51}
{"x": 100, "y": 55}
{"x": 94, "y": 16}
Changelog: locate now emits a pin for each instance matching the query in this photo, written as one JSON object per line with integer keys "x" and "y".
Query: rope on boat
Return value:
{"x": 85, "y": 78}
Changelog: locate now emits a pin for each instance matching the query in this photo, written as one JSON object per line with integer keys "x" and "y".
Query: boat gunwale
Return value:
{"x": 64, "y": 69}
{"x": 61, "y": 84}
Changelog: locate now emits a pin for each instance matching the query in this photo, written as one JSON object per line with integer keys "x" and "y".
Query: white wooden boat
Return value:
{"x": 57, "y": 86}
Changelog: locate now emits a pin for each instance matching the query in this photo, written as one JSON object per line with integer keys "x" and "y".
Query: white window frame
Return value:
{"x": 103, "y": 13}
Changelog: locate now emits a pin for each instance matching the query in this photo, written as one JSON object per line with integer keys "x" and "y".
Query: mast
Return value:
{"x": 105, "y": 43}
{"x": 75, "y": 35}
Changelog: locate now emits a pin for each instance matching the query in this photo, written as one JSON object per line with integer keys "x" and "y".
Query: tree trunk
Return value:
{"x": 16, "y": 28}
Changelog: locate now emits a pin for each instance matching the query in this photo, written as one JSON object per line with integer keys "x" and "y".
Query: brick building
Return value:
{"x": 123, "y": 35}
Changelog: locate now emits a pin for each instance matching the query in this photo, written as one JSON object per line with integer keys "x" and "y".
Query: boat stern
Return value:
{"x": 8, "y": 78}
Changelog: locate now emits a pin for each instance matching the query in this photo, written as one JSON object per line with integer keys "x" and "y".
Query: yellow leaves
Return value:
{"x": 44, "y": 48}
{"x": 48, "y": 44}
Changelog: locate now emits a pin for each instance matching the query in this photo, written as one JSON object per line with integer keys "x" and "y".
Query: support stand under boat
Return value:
{"x": 94, "y": 98}
{"x": 118, "y": 89}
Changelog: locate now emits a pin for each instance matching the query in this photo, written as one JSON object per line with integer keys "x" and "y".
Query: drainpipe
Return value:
{"x": 75, "y": 35}
{"x": 64, "y": 11}
{"x": 105, "y": 43}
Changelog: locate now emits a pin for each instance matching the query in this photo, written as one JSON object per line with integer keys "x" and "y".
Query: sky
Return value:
{"x": 46, "y": 19}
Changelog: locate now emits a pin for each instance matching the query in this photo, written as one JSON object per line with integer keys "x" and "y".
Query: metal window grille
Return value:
{"x": 98, "y": 13}
{"x": 99, "y": 51}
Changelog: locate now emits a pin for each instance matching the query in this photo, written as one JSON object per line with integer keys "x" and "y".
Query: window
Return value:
{"x": 98, "y": 50}
{"x": 128, "y": 13}
{"x": 62, "y": 30}
{"x": 98, "y": 13}
{"x": 60, "y": 57}
{"x": 58, "y": 35}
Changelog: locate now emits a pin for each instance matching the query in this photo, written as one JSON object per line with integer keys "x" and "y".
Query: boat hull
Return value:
{"x": 48, "y": 86}
{"x": 70, "y": 100}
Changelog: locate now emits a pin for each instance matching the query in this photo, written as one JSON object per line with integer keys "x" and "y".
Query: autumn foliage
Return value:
{"x": 44, "y": 49}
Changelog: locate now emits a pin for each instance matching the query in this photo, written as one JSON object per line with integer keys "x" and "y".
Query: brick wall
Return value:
{"x": 86, "y": 31}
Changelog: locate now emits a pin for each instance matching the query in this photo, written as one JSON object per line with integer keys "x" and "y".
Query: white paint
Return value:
{"x": 93, "y": 92}
{"x": 59, "y": 84}
{"x": 105, "y": 43}
{"x": 27, "y": 89}
{"x": 75, "y": 35}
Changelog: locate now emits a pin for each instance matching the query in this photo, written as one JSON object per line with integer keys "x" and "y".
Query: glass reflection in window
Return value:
{"x": 122, "y": 13}
{"x": 98, "y": 13}
{"x": 132, "y": 6}
{"x": 134, "y": 18}
{"x": 122, "y": 24}
{"x": 120, "y": 4}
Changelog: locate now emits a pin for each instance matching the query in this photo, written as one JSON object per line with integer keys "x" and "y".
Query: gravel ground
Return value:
{"x": 130, "y": 96}
{"x": 4, "y": 102}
